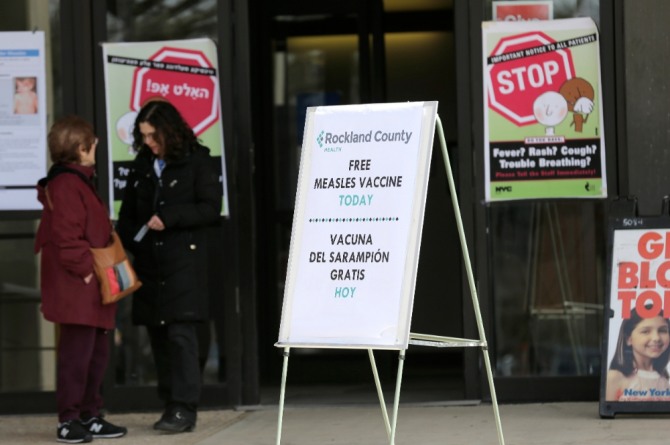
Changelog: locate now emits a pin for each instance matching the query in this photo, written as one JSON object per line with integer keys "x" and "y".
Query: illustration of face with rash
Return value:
{"x": 550, "y": 109}
{"x": 124, "y": 130}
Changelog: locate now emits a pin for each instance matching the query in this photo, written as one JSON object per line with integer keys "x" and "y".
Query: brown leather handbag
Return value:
{"x": 114, "y": 271}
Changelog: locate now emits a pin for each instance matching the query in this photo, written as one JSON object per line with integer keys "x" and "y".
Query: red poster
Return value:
{"x": 508, "y": 11}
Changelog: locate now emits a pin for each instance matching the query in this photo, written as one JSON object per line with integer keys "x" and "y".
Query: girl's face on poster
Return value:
{"x": 650, "y": 338}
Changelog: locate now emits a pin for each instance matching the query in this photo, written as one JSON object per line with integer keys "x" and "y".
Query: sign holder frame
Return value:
{"x": 624, "y": 216}
{"x": 420, "y": 339}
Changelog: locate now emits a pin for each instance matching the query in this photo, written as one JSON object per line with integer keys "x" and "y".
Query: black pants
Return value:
{"x": 175, "y": 351}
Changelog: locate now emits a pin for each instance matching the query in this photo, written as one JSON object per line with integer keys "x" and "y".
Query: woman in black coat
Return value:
{"x": 173, "y": 193}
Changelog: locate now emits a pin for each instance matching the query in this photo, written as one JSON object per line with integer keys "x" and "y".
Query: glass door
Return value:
{"x": 27, "y": 340}
{"x": 134, "y": 378}
{"x": 339, "y": 53}
{"x": 545, "y": 262}
{"x": 317, "y": 53}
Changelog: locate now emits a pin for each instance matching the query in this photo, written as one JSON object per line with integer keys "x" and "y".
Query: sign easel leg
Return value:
{"x": 282, "y": 393}
{"x": 380, "y": 394}
{"x": 471, "y": 279}
{"x": 396, "y": 401}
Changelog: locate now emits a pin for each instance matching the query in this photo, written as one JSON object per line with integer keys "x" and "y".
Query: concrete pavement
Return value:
{"x": 362, "y": 424}
{"x": 529, "y": 424}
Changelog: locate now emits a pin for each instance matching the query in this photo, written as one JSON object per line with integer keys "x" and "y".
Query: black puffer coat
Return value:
{"x": 172, "y": 263}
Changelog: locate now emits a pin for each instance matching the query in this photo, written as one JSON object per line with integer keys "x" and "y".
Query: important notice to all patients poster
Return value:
{"x": 23, "y": 119}
{"x": 543, "y": 121}
{"x": 183, "y": 72}
{"x": 357, "y": 225}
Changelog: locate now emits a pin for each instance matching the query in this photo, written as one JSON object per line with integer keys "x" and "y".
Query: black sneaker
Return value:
{"x": 176, "y": 421}
{"x": 101, "y": 429}
{"x": 164, "y": 416}
{"x": 72, "y": 432}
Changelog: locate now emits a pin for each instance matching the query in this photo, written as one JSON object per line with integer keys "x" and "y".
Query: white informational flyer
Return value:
{"x": 357, "y": 225}
{"x": 23, "y": 119}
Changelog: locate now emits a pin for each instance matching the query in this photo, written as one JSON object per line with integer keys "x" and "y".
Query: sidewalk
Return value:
{"x": 41, "y": 429}
{"x": 528, "y": 424}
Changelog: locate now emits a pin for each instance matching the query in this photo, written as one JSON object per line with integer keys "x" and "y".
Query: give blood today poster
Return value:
{"x": 638, "y": 330}
{"x": 543, "y": 122}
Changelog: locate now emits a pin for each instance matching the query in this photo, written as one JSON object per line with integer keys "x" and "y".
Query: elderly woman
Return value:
{"x": 75, "y": 219}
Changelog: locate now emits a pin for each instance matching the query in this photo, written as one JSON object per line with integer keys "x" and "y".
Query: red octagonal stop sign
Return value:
{"x": 513, "y": 85}
{"x": 184, "y": 77}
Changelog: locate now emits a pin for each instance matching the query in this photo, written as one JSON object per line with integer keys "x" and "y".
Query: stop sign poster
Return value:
{"x": 183, "y": 72}
{"x": 543, "y": 120}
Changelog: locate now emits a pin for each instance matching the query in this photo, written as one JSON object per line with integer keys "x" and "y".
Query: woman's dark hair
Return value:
{"x": 66, "y": 136}
{"x": 172, "y": 131}
{"x": 623, "y": 354}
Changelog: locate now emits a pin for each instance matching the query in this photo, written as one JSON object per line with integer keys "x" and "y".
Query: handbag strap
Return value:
{"x": 49, "y": 201}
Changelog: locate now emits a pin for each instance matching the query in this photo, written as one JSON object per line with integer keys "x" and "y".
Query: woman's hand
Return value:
{"x": 155, "y": 223}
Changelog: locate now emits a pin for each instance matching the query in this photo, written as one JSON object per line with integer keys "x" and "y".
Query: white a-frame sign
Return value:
{"x": 357, "y": 226}
{"x": 357, "y": 232}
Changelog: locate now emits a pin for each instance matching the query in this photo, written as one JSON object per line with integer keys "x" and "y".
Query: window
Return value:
{"x": 27, "y": 341}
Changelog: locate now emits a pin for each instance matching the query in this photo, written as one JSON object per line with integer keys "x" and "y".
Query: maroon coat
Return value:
{"x": 78, "y": 221}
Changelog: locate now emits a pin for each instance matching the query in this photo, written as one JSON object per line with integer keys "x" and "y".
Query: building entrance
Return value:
{"x": 351, "y": 52}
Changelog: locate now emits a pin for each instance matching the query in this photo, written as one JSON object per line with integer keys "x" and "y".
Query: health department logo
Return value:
{"x": 321, "y": 140}
{"x": 503, "y": 189}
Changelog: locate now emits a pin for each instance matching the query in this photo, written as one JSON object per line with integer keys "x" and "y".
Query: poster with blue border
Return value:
{"x": 23, "y": 119}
